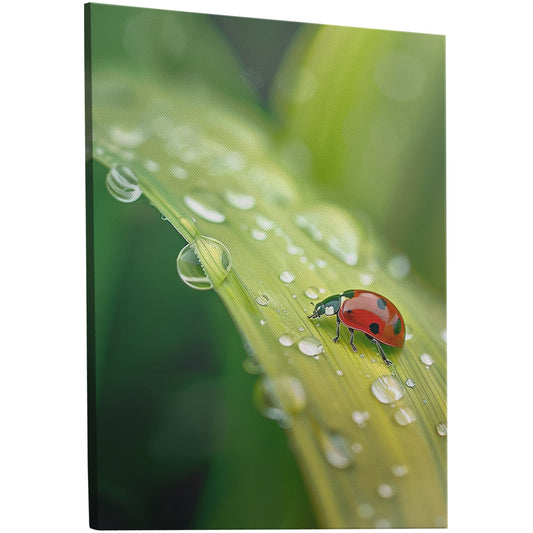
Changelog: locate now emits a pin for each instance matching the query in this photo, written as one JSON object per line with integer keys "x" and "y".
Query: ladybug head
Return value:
{"x": 329, "y": 306}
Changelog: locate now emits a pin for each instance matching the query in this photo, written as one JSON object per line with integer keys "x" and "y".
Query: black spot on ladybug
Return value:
{"x": 397, "y": 326}
{"x": 349, "y": 311}
{"x": 374, "y": 328}
{"x": 382, "y": 304}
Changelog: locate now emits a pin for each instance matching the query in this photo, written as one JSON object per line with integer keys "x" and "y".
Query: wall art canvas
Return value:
{"x": 266, "y": 273}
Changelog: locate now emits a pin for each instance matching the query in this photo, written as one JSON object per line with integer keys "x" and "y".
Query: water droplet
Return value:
{"x": 444, "y": 335}
{"x": 292, "y": 249}
{"x": 399, "y": 470}
{"x": 123, "y": 184}
{"x": 340, "y": 373}
{"x": 204, "y": 263}
{"x": 286, "y": 277}
{"x": 259, "y": 235}
{"x": 357, "y": 447}
{"x": 311, "y": 292}
{"x": 408, "y": 332}
{"x": 179, "y": 172}
{"x": 150, "y": 165}
{"x": 410, "y": 382}
{"x": 286, "y": 340}
{"x": 334, "y": 229}
{"x": 404, "y": 416}
{"x": 399, "y": 266}
{"x": 252, "y": 366}
{"x": 426, "y": 359}
{"x": 335, "y": 450}
{"x": 310, "y": 346}
{"x": 442, "y": 430}
{"x": 129, "y": 138}
{"x": 205, "y": 206}
{"x": 385, "y": 490}
{"x": 264, "y": 223}
{"x": 387, "y": 389}
{"x": 262, "y": 300}
{"x": 366, "y": 279}
{"x": 365, "y": 510}
{"x": 382, "y": 523}
{"x": 321, "y": 263}
{"x": 360, "y": 417}
{"x": 240, "y": 200}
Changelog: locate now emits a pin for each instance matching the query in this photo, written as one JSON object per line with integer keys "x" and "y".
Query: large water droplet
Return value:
{"x": 426, "y": 359}
{"x": 311, "y": 292}
{"x": 123, "y": 184}
{"x": 205, "y": 206}
{"x": 240, "y": 200}
{"x": 334, "y": 229}
{"x": 404, "y": 416}
{"x": 286, "y": 340}
{"x": 387, "y": 389}
{"x": 310, "y": 346}
{"x": 204, "y": 263}
{"x": 286, "y": 277}
{"x": 399, "y": 266}
{"x": 442, "y": 429}
{"x": 335, "y": 450}
{"x": 385, "y": 490}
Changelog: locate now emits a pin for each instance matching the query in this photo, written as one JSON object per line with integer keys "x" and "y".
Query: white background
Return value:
{"x": 42, "y": 337}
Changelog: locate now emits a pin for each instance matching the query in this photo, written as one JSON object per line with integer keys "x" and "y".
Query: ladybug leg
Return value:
{"x": 388, "y": 362}
{"x": 336, "y": 338}
{"x": 351, "y": 339}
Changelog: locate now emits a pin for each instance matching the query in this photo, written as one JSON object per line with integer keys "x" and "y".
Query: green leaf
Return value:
{"x": 370, "y": 107}
{"x": 371, "y": 446}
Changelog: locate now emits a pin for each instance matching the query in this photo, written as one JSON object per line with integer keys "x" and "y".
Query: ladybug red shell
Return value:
{"x": 368, "y": 312}
{"x": 374, "y": 315}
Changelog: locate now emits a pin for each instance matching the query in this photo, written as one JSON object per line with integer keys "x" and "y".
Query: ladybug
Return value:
{"x": 365, "y": 311}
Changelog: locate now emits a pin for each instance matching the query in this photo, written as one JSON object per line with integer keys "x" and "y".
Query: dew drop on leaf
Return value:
{"x": 387, "y": 389}
{"x": 310, "y": 346}
{"x": 123, "y": 184}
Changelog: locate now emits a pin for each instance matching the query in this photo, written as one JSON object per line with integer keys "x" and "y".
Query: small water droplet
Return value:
{"x": 123, "y": 184}
{"x": 442, "y": 429}
{"x": 410, "y": 382}
{"x": 365, "y": 510}
{"x": 205, "y": 206}
{"x": 179, "y": 172}
{"x": 357, "y": 447}
{"x": 150, "y": 165}
{"x": 262, "y": 300}
{"x": 426, "y": 359}
{"x": 286, "y": 277}
{"x": 399, "y": 266}
{"x": 366, "y": 279}
{"x": 385, "y": 490}
{"x": 240, "y": 200}
{"x": 335, "y": 450}
{"x": 387, "y": 389}
{"x": 382, "y": 523}
{"x": 311, "y": 292}
{"x": 264, "y": 223}
{"x": 404, "y": 416}
{"x": 129, "y": 138}
{"x": 292, "y": 249}
{"x": 286, "y": 340}
{"x": 262, "y": 322}
{"x": 408, "y": 332}
{"x": 399, "y": 470}
{"x": 340, "y": 373}
{"x": 310, "y": 346}
{"x": 204, "y": 263}
{"x": 259, "y": 235}
{"x": 360, "y": 417}
{"x": 444, "y": 335}
{"x": 321, "y": 263}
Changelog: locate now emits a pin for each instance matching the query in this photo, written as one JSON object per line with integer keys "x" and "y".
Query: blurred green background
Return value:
{"x": 175, "y": 439}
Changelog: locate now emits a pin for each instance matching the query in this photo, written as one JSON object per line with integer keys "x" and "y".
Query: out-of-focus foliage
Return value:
{"x": 369, "y": 105}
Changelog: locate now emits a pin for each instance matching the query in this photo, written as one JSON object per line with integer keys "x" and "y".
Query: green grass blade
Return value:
{"x": 210, "y": 168}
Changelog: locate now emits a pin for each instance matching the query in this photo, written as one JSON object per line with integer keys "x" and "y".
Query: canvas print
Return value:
{"x": 266, "y": 273}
